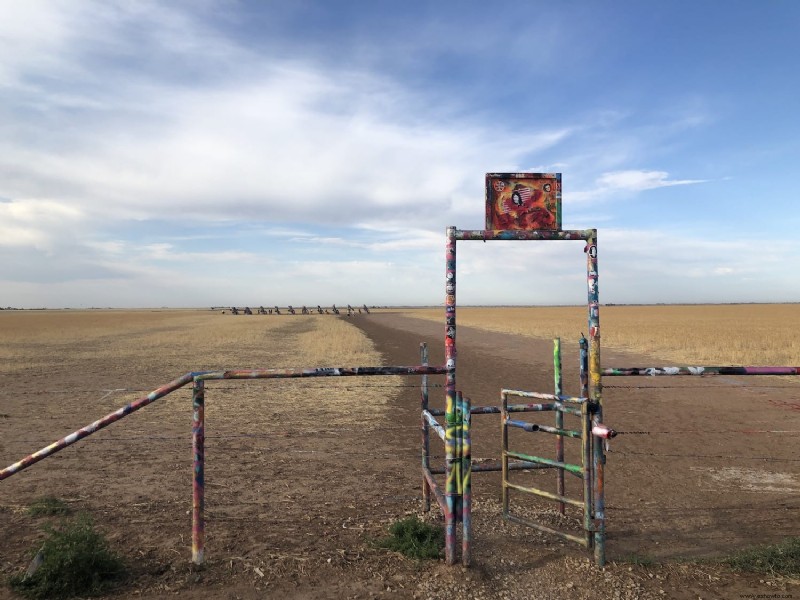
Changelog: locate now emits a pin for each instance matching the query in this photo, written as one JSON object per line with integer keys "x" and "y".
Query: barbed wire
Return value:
{"x": 708, "y": 431}
{"x": 690, "y": 386}
{"x": 727, "y": 457}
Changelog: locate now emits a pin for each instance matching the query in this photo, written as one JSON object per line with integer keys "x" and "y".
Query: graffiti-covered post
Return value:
{"x": 466, "y": 481}
{"x": 426, "y": 463}
{"x": 198, "y": 480}
{"x": 558, "y": 391}
{"x": 452, "y": 467}
{"x": 598, "y": 455}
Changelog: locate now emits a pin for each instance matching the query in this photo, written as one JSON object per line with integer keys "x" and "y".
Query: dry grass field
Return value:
{"x": 302, "y": 476}
{"x": 719, "y": 335}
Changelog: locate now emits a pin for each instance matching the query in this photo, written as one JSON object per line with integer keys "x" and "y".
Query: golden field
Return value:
{"x": 182, "y": 332}
{"x": 143, "y": 349}
{"x": 718, "y": 335}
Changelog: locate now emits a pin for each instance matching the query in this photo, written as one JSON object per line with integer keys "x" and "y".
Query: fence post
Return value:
{"x": 466, "y": 480}
{"x": 426, "y": 460}
{"x": 504, "y": 450}
{"x": 557, "y": 380}
{"x": 198, "y": 481}
{"x": 586, "y": 442}
{"x": 451, "y": 494}
{"x": 599, "y": 459}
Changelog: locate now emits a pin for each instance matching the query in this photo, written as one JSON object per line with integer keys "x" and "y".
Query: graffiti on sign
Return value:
{"x": 523, "y": 201}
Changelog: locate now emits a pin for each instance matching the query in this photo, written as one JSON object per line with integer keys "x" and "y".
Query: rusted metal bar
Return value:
{"x": 558, "y": 391}
{"x": 435, "y": 490}
{"x": 198, "y": 479}
{"x": 697, "y": 371}
{"x": 95, "y": 426}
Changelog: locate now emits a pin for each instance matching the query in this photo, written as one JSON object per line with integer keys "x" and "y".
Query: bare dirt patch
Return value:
{"x": 302, "y": 477}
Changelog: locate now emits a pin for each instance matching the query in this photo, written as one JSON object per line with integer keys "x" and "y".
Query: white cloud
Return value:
{"x": 637, "y": 181}
{"x": 631, "y": 181}
{"x": 37, "y": 223}
{"x": 266, "y": 150}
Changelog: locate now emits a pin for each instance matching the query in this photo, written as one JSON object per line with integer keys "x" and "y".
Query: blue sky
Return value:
{"x": 313, "y": 152}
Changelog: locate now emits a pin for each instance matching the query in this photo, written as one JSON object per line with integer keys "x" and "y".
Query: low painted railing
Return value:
{"x": 697, "y": 371}
{"x": 198, "y": 379}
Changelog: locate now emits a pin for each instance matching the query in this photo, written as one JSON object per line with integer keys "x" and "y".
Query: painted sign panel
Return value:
{"x": 526, "y": 201}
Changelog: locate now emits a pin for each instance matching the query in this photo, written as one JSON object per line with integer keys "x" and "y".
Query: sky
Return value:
{"x": 220, "y": 152}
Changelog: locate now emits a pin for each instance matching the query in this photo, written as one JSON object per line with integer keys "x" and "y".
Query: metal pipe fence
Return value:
{"x": 198, "y": 379}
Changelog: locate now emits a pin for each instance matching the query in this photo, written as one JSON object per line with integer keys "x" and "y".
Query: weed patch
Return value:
{"x": 48, "y": 506}
{"x": 777, "y": 559}
{"x": 415, "y": 538}
{"x": 73, "y": 561}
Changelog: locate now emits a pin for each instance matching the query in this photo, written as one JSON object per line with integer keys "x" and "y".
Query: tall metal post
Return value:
{"x": 586, "y": 444}
{"x": 426, "y": 460}
{"x": 584, "y": 366}
{"x": 558, "y": 391}
{"x": 598, "y": 456}
{"x": 198, "y": 481}
{"x": 452, "y": 467}
{"x": 504, "y": 450}
{"x": 466, "y": 480}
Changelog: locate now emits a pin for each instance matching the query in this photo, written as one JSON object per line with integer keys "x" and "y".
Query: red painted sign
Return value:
{"x": 523, "y": 201}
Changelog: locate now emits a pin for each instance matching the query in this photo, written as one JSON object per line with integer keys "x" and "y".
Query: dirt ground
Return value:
{"x": 295, "y": 502}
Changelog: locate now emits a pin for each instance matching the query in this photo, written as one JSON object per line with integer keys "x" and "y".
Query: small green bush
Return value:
{"x": 76, "y": 561}
{"x": 776, "y": 559}
{"x": 415, "y": 539}
{"x": 48, "y": 506}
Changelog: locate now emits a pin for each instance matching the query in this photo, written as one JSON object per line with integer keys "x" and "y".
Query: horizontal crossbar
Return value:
{"x": 496, "y": 465}
{"x": 543, "y": 428}
{"x": 574, "y": 469}
{"x": 544, "y": 494}
{"x": 437, "y": 427}
{"x": 540, "y": 396}
{"x": 568, "y": 536}
{"x": 485, "y": 235}
{"x": 697, "y": 371}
